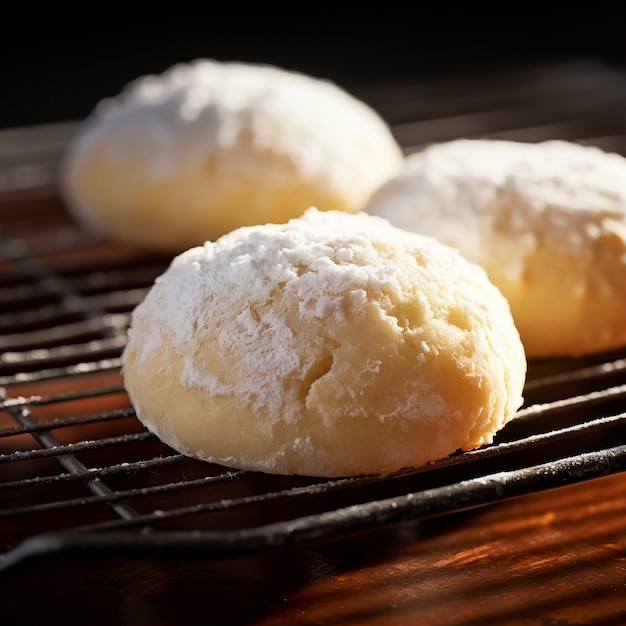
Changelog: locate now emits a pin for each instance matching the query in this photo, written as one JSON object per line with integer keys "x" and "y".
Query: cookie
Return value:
{"x": 332, "y": 345}
{"x": 186, "y": 156}
{"x": 546, "y": 221}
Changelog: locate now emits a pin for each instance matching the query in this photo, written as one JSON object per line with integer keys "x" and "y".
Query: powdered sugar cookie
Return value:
{"x": 335, "y": 344}
{"x": 205, "y": 147}
{"x": 546, "y": 221}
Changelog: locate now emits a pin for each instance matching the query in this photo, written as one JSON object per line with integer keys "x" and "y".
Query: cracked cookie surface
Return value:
{"x": 335, "y": 344}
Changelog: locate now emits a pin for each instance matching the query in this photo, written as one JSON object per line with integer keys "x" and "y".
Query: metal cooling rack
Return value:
{"x": 78, "y": 472}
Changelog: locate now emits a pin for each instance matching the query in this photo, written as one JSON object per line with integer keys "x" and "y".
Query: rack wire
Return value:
{"x": 79, "y": 473}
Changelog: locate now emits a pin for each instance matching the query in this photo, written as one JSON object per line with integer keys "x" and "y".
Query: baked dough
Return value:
{"x": 547, "y": 222}
{"x": 335, "y": 344}
{"x": 188, "y": 155}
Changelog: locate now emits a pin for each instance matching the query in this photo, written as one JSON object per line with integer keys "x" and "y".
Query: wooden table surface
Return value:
{"x": 555, "y": 557}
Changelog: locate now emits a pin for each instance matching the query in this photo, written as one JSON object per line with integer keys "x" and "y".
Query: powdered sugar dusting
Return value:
{"x": 235, "y": 294}
{"x": 468, "y": 193}
{"x": 207, "y": 106}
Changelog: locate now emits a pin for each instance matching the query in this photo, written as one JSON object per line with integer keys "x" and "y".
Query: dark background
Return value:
{"x": 56, "y": 65}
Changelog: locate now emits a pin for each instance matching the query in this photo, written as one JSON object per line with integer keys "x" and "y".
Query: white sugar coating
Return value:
{"x": 547, "y": 221}
{"x": 335, "y": 344}
{"x": 185, "y": 156}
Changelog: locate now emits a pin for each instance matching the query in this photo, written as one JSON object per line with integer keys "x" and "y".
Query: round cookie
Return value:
{"x": 547, "y": 222}
{"x": 335, "y": 344}
{"x": 186, "y": 156}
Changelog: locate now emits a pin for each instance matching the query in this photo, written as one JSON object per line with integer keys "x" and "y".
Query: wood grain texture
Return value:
{"x": 556, "y": 557}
